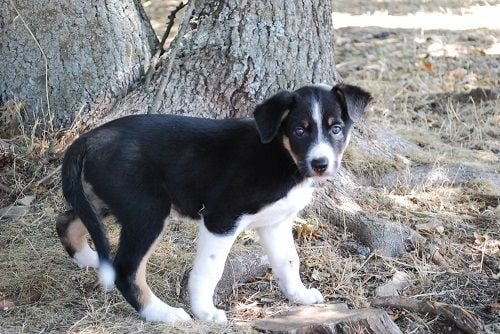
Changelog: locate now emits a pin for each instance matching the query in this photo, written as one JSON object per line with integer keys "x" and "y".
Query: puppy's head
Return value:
{"x": 314, "y": 124}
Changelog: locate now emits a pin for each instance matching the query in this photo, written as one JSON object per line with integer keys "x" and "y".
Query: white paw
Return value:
{"x": 86, "y": 257}
{"x": 107, "y": 276}
{"x": 212, "y": 314}
{"x": 158, "y": 311}
{"x": 308, "y": 296}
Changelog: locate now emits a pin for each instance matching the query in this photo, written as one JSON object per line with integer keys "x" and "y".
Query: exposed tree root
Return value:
{"x": 385, "y": 237}
{"x": 464, "y": 320}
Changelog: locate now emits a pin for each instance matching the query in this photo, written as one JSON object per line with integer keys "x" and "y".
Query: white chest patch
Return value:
{"x": 284, "y": 209}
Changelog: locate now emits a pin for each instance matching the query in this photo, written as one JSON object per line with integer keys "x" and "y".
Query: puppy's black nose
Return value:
{"x": 319, "y": 165}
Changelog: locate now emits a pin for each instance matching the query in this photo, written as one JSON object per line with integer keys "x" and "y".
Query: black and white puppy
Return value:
{"x": 233, "y": 174}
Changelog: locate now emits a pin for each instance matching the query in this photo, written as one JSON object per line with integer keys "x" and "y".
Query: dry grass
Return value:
{"x": 421, "y": 92}
{"x": 448, "y": 106}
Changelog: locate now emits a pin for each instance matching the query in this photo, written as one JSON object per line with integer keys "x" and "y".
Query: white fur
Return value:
{"x": 318, "y": 119}
{"x": 107, "y": 276}
{"x": 324, "y": 86}
{"x": 282, "y": 210}
{"x": 156, "y": 310}
{"x": 321, "y": 148}
{"x": 274, "y": 225}
{"x": 86, "y": 257}
{"x": 213, "y": 250}
{"x": 278, "y": 243}
{"x": 207, "y": 270}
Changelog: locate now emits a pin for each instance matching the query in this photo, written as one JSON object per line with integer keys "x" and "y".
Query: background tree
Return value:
{"x": 231, "y": 55}
{"x": 61, "y": 58}
{"x": 87, "y": 64}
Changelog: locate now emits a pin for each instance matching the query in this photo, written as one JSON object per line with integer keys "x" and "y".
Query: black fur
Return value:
{"x": 269, "y": 115}
{"x": 353, "y": 99}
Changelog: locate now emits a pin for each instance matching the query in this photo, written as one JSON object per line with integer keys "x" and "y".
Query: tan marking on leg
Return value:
{"x": 96, "y": 201}
{"x": 143, "y": 288}
{"x": 76, "y": 234}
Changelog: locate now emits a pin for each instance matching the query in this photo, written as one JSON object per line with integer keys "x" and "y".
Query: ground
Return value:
{"x": 437, "y": 89}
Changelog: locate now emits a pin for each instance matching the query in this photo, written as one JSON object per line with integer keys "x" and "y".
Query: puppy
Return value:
{"x": 232, "y": 174}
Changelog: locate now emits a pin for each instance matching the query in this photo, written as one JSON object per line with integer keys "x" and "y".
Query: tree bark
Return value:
{"x": 240, "y": 52}
{"x": 236, "y": 53}
{"x": 229, "y": 56}
{"x": 61, "y": 57}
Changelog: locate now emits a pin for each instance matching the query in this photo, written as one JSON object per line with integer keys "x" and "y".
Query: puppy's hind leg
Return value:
{"x": 73, "y": 236}
{"x": 139, "y": 235}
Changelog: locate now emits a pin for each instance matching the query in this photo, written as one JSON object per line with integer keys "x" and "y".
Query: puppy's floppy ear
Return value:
{"x": 269, "y": 114}
{"x": 353, "y": 98}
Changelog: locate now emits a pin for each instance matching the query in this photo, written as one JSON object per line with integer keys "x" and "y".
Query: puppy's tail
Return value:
{"x": 73, "y": 192}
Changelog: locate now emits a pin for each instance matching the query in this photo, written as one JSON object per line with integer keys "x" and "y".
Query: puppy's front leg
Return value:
{"x": 206, "y": 273}
{"x": 278, "y": 243}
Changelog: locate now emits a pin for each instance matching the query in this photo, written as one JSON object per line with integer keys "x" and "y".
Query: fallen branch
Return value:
{"x": 48, "y": 176}
{"x": 161, "y": 50}
{"x": 173, "y": 52}
{"x": 386, "y": 237}
{"x": 466, "y": 321}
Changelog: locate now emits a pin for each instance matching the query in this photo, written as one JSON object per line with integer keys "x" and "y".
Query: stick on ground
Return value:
{"x": 161, "y": 50}
{"x": 466, "y": 321}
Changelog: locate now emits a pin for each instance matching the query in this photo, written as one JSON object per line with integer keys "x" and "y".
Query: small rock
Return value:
{"x": 399, "y": 281}
{"x": 14, "y": 211}
{"x": 382, "y": 35}
{"x": 355, "y": 248}
{"x": 26, "y": 200}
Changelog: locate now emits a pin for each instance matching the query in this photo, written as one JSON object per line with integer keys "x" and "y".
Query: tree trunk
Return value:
{"x": 233, "y": 55}
{"x": 60, "y": 57}
{"x": 229, "y": 56}
{"x": 240, "y": 52}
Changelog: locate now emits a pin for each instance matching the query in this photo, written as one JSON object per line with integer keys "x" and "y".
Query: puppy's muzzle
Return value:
{"x": 319, "y": 165}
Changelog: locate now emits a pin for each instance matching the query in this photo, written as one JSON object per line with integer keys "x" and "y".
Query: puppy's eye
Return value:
{"x": 336, "y": 129}
{"x": 299, "y": 132}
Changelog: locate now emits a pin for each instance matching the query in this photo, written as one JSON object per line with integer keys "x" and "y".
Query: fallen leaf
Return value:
{"x": 306, "y": 232}
{"x": 319, "y": 275}
{"x": 427, "y": 65}
{"x": 28, "y": 297}
{"x": 480, "y": 238}
{"x": 267, "y": 277}
{"x": 493, "y": 308}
